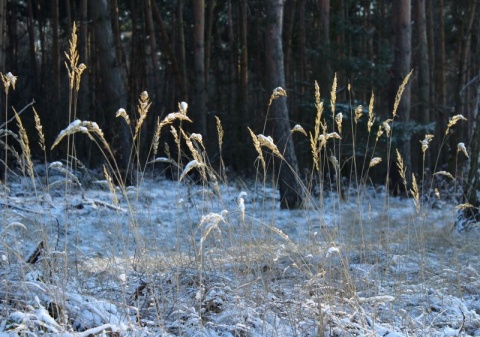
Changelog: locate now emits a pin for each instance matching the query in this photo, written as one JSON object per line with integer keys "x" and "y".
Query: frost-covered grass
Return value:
{"x": 83, "y": 253}
{"x": 191, "y": 268}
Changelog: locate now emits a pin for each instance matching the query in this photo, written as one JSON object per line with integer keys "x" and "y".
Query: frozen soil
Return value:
{"x": 175, "y": 259}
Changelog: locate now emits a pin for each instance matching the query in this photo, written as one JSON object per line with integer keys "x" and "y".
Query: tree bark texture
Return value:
{"x": 113, "y": 78}
{"x": 3, "y": 33}
{"x": 290, "y": 189}
{"x": 401, "y": 17}
{"x": 325, "y": 71}
{"x": 199, "y": 107}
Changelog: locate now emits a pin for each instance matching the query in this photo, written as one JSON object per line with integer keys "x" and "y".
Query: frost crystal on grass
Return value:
{"x": 268, "y": 143}
{"x": 190, "y": 166}
{"x": 332, "y": 250}
{"x": 241, "y": 207}
{"x": 122, "y": 113}
{"x": 333, "y": 135}
{"x": 444, "y": 173}
{"x": 183, "y": 106}
{"x": 298, "y": 128}
{"x": 461, "y": 148}
{"x": 375, "y": 161}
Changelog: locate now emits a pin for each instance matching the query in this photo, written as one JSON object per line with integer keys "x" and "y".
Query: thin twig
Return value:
{"x": 19, "y": 113}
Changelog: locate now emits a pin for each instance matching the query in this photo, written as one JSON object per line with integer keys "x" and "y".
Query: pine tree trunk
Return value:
{"x": 423, "y": 67}
{"x": 199, "y": 107}
{"x": 325, "y": 71}
{"x": 55, "y": 60}
{"x": 113, "y": 76}
{"x": 401, "y": 16}
{"x": 3, "y": 33}
{"x": 290, "y": 189}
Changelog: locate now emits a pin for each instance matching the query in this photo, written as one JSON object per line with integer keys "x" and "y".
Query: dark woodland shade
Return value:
{"x": 217, "y": 56}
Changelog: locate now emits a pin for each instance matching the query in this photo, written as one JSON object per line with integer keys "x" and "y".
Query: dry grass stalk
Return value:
{"x": 375, "y": 161}
{"x": 74, "y": 69}
{"x": 428, "y": 138}
{"x": 220, "y": 132}
{"x": 277, "y": 93}
{"x": 87, "y": 127}
{"x": 333, "y": 94}
{"x": 111, "y": 186}
{"x": 452, "y": 121}
{"x": 315, "y": 138}
{"x": 190, "y": 166}
{"x": 156, "y": 137}
{"x": 338, "y": 120}
{"x": 370, "y": 113}
{"x": 464, "y": 206}
{"x": 142, "y": 108}
{"x": 58, "y": 166}
{"x": 444, "y": 173}
{"x": 258, "y": 148}
{"x": 461, "y": 148}
{"x": 195, "y": 153}
{"x": 415, "y": 193}
{"x": 267, "y": 142}
{"x": 402, "y": 170}
{"x": 334, "y": 162}
{"x": 122, "y": 113}
{"x": 174, "y": 133}
{"x": 220, "y": 135}
{"x": 299, "y": 128}
{"x": 211, "y": 221}
{"x": 379, "y": 132}
{"x": 386, "y": 126}
{"x": 358, "y": 113}
{"x": 398, "y": 97}
{"x": 39, "y": 128}
{"x": 8, "y": 81}
{"x": 25, "y": 145}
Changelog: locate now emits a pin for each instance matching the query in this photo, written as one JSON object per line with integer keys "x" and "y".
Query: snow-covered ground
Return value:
{"x": 173, "y": 259}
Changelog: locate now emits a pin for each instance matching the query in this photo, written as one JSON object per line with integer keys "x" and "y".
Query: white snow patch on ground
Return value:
{"x": 178, "y": 259}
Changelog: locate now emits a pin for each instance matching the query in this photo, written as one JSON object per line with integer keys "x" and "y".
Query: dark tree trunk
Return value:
{"x": 182, "y": 68}
{"x": 208, "y": 38}
{"x": 325, "y": 71}
{"x": 290, "y": 189}
{"x": 461, "y": 134}
{"x": 3, "y": 33}
{"x": 31, "y": 39}
{"x": 422, "y": 57}
{"x": 199, "y": 105}
{"x": 153, "y": 45}
{"x": 472, "y": 194}
{"x": 113, "y": 76}
{"x": 55, "y": 60}
{"x": 401, "y": 16}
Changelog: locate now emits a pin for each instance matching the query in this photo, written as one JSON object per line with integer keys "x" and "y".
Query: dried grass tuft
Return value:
{"x": 398, "y": 97}
{"x": 402, "y": 170}
{"x": 415, "y": 193}
{"x": 375, "y": 161}
{"x": 111, "y": 186}
{"x": 39, "y": 128}
{"x": 298, "y": 128}
{"x": 370, "y": 113}
{"x": 25, "y": 145}
{"x": 452, "y": 121}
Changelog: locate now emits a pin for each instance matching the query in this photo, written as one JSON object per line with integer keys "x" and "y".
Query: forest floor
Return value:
{"x": 173, "y": 259}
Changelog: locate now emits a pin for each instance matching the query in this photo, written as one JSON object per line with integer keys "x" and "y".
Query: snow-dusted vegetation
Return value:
{"x": 199, "y": 260}
{"x": 83, "y": 252}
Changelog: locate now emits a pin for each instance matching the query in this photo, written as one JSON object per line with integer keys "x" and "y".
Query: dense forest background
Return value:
{"x": 219, "y": 56}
